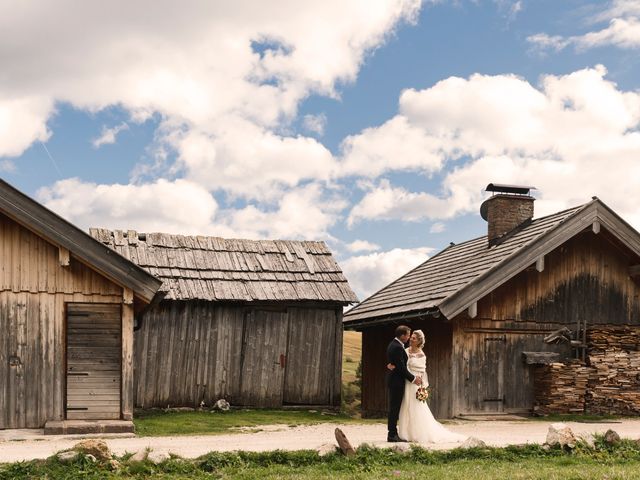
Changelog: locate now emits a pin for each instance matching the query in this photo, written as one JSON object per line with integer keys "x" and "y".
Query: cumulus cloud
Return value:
{"x": 503, "y": 129}
{"x": 437, "y": 227}
{"x": 622, "y": 30}
{"x": 23, "y": 120}
{"x": 369, "y": 273}
{"x": 315, "y": 123}
{"x": 108, "y": 135}
{"x": 362, "y": 246}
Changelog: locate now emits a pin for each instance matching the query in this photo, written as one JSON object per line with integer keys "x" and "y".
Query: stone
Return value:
{"x": 66, "y": 457}
{"x": 561, "y": 434}
{"x": 588, "y": 439}
{"x": 114, "y": 464}
{"x": 611, "y": 437}
{"x": 91, "y": 458}
{"x": 473, "y": 442}
{"x": 326, "y": 449}
{"x": 97, "y": 448}
{"x": 222, "y": 405}
{"x": 139, "y": 456}
{"x": 157, "y": 457}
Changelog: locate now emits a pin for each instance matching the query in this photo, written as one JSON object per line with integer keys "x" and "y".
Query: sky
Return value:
{"x": 372, "y": 125}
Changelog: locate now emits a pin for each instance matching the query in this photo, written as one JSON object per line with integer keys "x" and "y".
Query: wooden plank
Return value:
{"x": 63, "y": 256}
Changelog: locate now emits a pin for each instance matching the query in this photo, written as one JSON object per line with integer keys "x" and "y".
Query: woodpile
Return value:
{"x": 560, "y": 387}
{"x": 609, "y": 382}
{"x": 614, "y": 383}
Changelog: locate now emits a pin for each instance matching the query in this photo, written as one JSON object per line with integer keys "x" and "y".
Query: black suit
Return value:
{"x": 397, "y": 356}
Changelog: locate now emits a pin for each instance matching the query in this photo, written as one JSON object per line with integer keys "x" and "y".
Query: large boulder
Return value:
{"x": 561, "y": 434}
{"x": 67, "y": 456}
{"x": 473, "y": 442}
{"x": 611, "y": 437}
{"x": 97, "y": 448}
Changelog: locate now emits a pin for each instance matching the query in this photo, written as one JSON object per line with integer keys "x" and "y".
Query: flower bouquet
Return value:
{"x": 423, "y": 394}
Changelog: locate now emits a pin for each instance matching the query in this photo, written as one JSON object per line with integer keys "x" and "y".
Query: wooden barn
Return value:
{"x": 497, "y": 310}
{"x": 67, "y": 307}
{"x": 258, "y": 323}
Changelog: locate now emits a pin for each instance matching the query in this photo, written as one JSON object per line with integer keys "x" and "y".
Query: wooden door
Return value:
{"x": 310, "y": 366}
{"x": 493, "y": 374}
{"x": 264, "y": 356}
{"x": 93, "y": 361}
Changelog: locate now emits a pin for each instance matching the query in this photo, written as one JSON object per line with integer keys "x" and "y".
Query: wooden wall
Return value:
{"x": 33, "y": 291}
{"x": 584, "y": 282}
{"x": 192, "y": 352}
{"x": 374, "y": 360}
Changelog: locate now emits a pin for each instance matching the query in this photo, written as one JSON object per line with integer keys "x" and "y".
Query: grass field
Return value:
{"x": 621, "y": 461}
{"x": 351, "y": 355}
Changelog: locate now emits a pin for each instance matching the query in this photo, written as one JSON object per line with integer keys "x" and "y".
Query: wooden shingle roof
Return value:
{"x": 461, "y": 274}
{"x": 218, "y": 269}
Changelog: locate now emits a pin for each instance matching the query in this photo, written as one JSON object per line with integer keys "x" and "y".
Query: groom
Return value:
{"x": 396, "y": 377}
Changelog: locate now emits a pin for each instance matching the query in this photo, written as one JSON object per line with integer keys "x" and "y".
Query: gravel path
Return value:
{"x": 496, "y": 433}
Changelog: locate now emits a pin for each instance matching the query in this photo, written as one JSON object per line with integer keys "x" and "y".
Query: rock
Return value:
{"x": 221, "y": 405}
{"x": 326, "y": 449}
{"x": 611, "y": 437}
{"x": 97, "y": 448}
{"x": 68, "y": 456}
{"x": 561, "y": 434}
{"x": 400, "y": 447}
{"x": 588, "y": 439}
{"x": 91, "y": 458}
{"x": 114, "y": 464}
{"x": 157, "y": 457}
{"x": 473, "y": 442}
{"x": 139, "y": 456}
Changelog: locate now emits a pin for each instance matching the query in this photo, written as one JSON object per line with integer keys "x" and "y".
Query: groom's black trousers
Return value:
{"x": 395, "y": 402}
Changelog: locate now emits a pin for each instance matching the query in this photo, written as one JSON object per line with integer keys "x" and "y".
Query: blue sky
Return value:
{"x": 371, "y": 125}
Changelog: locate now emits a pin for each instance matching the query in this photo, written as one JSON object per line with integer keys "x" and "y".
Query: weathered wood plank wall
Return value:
{"x": 192, "y": 352}
{"x": 33, "y": 291}
{"x": 584, "y": 282}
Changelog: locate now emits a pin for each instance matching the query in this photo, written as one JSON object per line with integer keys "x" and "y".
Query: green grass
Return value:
{"x": 163, "y": 423}
{"x": 527, "y": 462}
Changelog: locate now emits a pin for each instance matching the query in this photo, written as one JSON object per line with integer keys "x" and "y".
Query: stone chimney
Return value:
{"x": 510, "y": 207}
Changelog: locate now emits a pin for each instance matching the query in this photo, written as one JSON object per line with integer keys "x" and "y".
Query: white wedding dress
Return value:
{"x": 416, "y": 422}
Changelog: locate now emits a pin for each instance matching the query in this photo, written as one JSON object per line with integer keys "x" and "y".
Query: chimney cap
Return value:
{"x": 502, "y": 188}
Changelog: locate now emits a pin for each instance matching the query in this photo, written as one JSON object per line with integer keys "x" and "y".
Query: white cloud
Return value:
{"x": 437, "y": 227}
{"x": 362, "y": 246}
{"x": 623, "y": 30}
{"x": 108, "y": 135}
{"x": 227, "y": 76}
{"x": 562, "y": 137}
{"x": 369, "y": 273}
{"x": 315, "y": 123}
{"x": 23, "y": 120}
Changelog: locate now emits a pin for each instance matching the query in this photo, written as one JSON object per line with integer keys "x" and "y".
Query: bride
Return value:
{"x": 416, "y": 422}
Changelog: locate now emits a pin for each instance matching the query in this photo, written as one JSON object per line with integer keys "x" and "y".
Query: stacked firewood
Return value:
{"x": 614, "y": 383}
{"x": 560, "y": 387}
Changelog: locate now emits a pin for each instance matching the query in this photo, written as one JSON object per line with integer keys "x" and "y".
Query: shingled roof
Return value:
{"x": 218, "y": 269}
{"x": 461, "y": 274}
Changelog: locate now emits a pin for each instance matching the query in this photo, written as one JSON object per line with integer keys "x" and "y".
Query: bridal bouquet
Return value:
{"x": 423, "y": 393}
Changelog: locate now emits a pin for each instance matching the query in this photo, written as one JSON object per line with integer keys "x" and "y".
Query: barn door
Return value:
{"x": 264, "y": 357}
{"x": 93, "y": 361}
{"x": 493, "y": 378}
{"x": 310, "y": 356}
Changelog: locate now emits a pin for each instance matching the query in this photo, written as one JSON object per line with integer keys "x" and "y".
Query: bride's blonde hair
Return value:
{"x": 420, "y": 336}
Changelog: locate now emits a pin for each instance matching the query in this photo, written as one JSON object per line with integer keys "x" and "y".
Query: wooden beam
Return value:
{"x": 127, "y": 296}
{"x": 126, "y": 394}
{"x": 595, "y": 226}
{"x": 473, "y": 310}
{"x": 634, "y": 271}
{"x": 540, "y": 264}
{"x": 64, "y": 256}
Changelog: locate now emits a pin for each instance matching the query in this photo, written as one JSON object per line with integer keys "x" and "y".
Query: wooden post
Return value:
{"x": 127, "y": 362}
{"x": 63, "y": 256}
{"x": 127, "y": 296}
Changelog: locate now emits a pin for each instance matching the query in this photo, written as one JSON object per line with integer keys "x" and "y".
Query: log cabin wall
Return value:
{"x": 584, "y": 282}
{"x": 34, "y": 289}
{"x": 188, "y": 352}
{"x": 437, "y": 349}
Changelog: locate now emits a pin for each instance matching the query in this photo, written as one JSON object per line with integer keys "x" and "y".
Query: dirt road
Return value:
{"x": 496, "y": 433}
